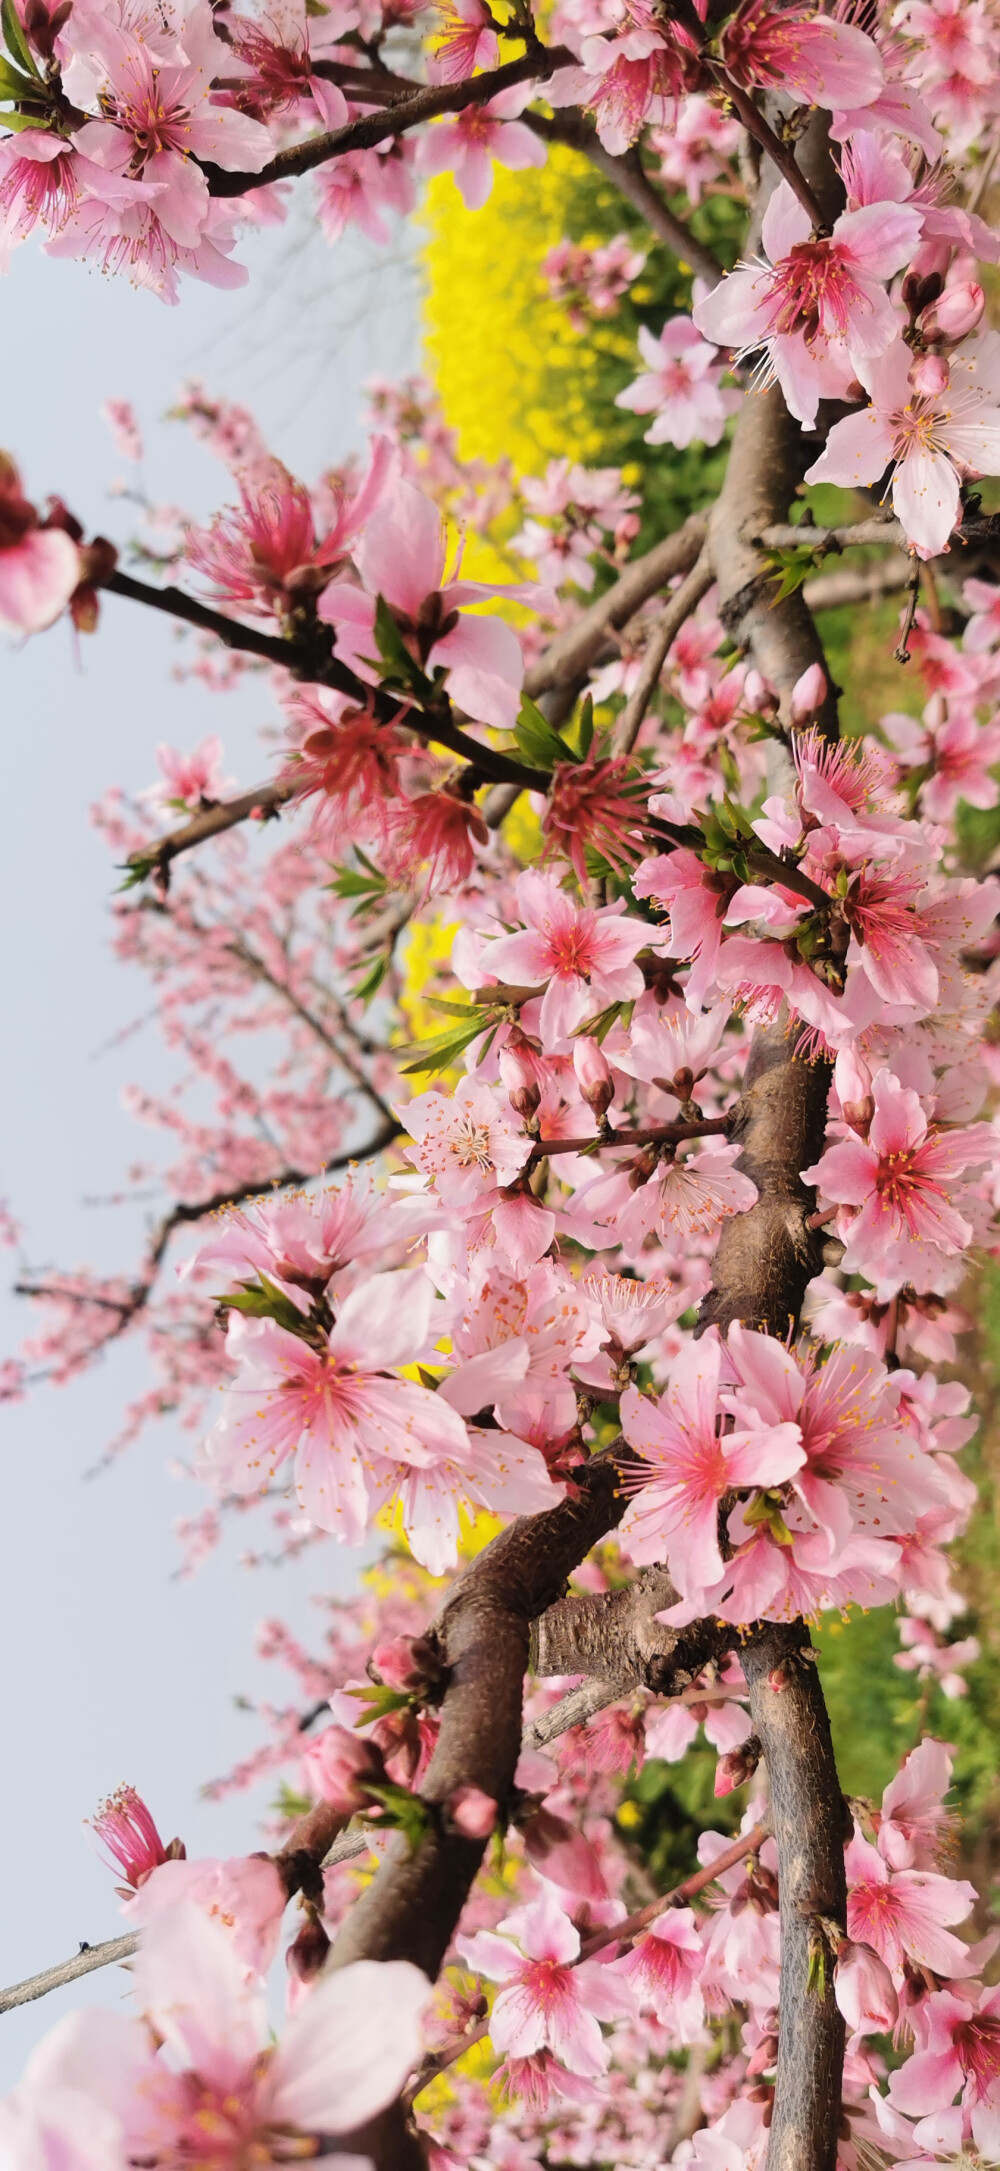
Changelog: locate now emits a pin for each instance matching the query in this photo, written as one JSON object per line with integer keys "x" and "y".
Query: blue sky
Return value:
{"x": 111, "y": 1669}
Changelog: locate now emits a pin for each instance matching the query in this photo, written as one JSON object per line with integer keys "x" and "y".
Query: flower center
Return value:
{"x": 813, "y": 290}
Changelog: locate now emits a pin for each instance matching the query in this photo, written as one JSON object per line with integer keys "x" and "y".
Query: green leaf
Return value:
{"x": 403, "y": 1811}
{"x": 18, "y": 122}
{"x": 445, "y": 1048}
{"x": 598, "y": 1027}
{"x": 791, "y": 568}
{"x": 15, "y": 85}
{"x": 370, "y": 981}
{"x": 356, "y": 882}
{"x": 379, "y": 1702}
{"x": 536, "y": 739}
{"x": 579, "y": 734}
{"x": 264, "y": 1300}
{"x": 137, "y": 869}
{"x": 15, "y": 40}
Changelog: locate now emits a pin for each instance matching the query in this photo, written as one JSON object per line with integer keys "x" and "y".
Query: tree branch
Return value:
{"x": 83, "y": 1962}
{"x": 424, "y": 104}
{"x": 410, "y": 1909}
{"x": 632, "y": 181}
{"x": 617, "y": 1635}
{"x": 661, "y": 635}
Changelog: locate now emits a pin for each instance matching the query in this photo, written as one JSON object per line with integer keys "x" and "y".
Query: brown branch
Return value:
{"x": 83, "y": 1962}
{"x": 861, "y": 584}
{"x": 632, "y": 181}
{"x": 665, "y": 630}
{"x": 808, "y": 1822}
{"x": 764, "y": 1261}
{"x": 655, "y": 1134}
{"x": 572, "y": 652}
{"x": 617, "y": 1634}
{"x": 781, "y": 155}
{"x": 424, "y": 104}
{"x": 622, "y": 1934}
{"x": 410, "y": 1909}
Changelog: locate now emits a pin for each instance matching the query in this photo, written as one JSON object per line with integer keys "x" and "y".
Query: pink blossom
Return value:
{"x": 299, "y": 1240}
{"x": 467, "y": 144}
{"x": 245, "y": 1896}
{"x": 401, "y": 557}
{"x": 125, "y": 1827}
{"x": 265, "y": 552}
{"x": 679, "y": 1197}
{"x": 864, "y": 1990}
{"x": 690, "y": 1467}
{"x": 343, "y": 2056}
{"x": 817, "y": 308}
{"x": 894, "y": 1190}
{"x": 983, "y": 628}
{"x": 680, "y": 385}
{"x": 465, "y": 1141}
{"x": 550, "y": 2000}
{"x": 913, "y": 1821}
{"x": 902, "y": 1914}
{"x": 336, "y": 1765}
{"x": 466, "y": 40}
{"x": 333, "y": 1407}
{"x": 960, "y": 2049}
{"x": 360, "y": 187}
{"x": 929, "y": 440}
{"x": 663, "y": 1969}
{"x": 584, "y": 957}
{"x": 39, "y": 566}
{"x": 825, "y": 62}
{"x": 958, "y": 752}
{"x": 190, "y": 780}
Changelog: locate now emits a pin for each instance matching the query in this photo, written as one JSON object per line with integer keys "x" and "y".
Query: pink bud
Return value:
{"x": 593, "y": 1075}
{"x": 737, "y": 1766}
{"x": 956, "y": 312}
{"x": 337, "y": 1766}
{"x": 864, "y": 1990}
{"x": 930, "y": 375}
{"x": 931, "y": 260}
{"x": 407, "y": 1662}
{"x": 471, "y": 1812}
{"x": 759, "y": 695}
{"x": 808, "y": 695}
{"x": 520, "y": 1076}
{"x": 853, "y": 1081}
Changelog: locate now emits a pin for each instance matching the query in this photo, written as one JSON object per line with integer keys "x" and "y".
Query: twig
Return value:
{"x": 83, "y": 1962}
{"x": 630, "y": 178}
{"x": 656, "y": 1134}
{"x": 662, "y": 634}
{"x": 901, "y": 652}
{"x": 620, "y": 1933}
{"x": 781, "y": 155}
{"x": 370, "y": 129}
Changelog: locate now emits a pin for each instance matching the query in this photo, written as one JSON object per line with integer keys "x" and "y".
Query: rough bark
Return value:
{"x": 807, "y": 1820}
{"x": 410, "y": 1909}
{"x": 617, "y": 1636}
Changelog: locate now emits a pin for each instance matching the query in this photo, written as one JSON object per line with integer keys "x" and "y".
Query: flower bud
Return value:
{"x": 853, "y": 1081}
{"x": 306, "y": 1956}
{"x": 337, "y": 1767}
{"x": 471, "y": 1812}
{"x": 925, "y": 277}
{"x": 405, "y": 1663}
{"x": 864, "y": 1990}
{"x": 808, "y": 695}
{"x": 955, "y": 313}
{"x": 930, "y": 375}
{"x": 759, "y": 695}
{"x": 520, "y": 1077}
{"x": 593, "y": 1075}
{"x": 737, "y": 1766}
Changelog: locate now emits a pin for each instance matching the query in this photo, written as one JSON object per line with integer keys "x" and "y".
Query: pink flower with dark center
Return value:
{"x": 583, "y": 956}
{"x": 334, "y": 1406}
{"x": 960, "y": 2049}
{"x": 465, "y": 39}
{"x": 663, "y": 1969}
{"x": 125, "y": 1828}
{"x": 436, "y": 835}
{"x": 680, "y": 386}
{"x": 550, "y": 2000}
{"x": 467, "y": 145}
{"x": 931, "y": 440}
{"x": 895, "y": 1189}
{"x": 197, "y": 2081}
{"x": 818, "y": 308}
{"x": 690, "y": 1465}
{"x": 824, "y": 62}
{"x": 903, "y": 1914}
{"x": 348, "y": 765}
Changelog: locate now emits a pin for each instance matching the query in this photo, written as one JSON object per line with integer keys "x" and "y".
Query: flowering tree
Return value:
{"x": 616, "y": 1131}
